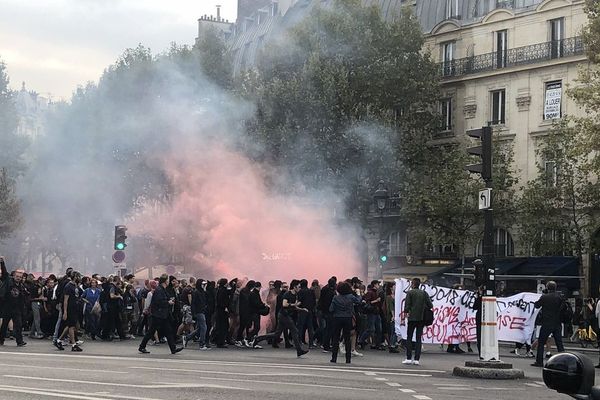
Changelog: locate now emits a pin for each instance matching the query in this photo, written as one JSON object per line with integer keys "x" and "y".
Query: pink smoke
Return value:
{"x": 225, "y": 217}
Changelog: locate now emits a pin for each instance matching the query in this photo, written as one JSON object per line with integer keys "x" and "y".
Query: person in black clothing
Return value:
{"x": 550, "y": 304}
{"x": 222, "y": 314}
{"x": 199, "y": 308}
{"x": 342, "y": 310}
{"x": 307, "y": 298}
{"x": 289, "y": 307}
{"x": 161, "y": 317}
{"x": 256, "y": 309}
{"x": 244, "y": 314}
{"x": 327, "y": 294}
{"x": 477, "y": 309}
{"x": 13, "y": 304}
{"x": 211, "y": 307}
{"x": 71, "y": 309}
{"x": 278, "y": 306}
{"x": 115, "y": 304}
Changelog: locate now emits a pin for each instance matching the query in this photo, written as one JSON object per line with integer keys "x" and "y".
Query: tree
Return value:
{"x": 9, "y": 206}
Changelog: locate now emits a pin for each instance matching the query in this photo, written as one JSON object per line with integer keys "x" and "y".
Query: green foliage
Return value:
{"x": 215, "y": 61}
{"x": 9, "y": 206}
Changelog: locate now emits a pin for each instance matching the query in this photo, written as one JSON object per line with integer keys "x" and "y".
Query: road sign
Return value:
{"x": 118, "y": 256}
{"x": 485, "y": 199}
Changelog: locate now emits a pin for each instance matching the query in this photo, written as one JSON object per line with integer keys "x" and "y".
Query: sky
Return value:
{"x": 55, "y": 45}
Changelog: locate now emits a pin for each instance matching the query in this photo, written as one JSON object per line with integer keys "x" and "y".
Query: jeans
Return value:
{"x": 392, "y": 334}
{"x": 305, "y": 322}
{"x": 341, "y": 326}
{"x": 373, "y": 329}
{"x": 545, "y": 332}
{"x": 36, "y": 328}
{"x": 17, "y": 319}
{"x": 91, "y": 324}
{"x": 412, "y": 326}
{"x": 57, "y": 330}
{"x": 200, "y": 331}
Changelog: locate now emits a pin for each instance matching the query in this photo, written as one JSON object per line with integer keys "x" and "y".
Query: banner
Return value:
{"x": 553, "y": 99}
{"x": 454, "y": 317}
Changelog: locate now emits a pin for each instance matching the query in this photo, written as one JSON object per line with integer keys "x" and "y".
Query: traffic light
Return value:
{"x": 384, "y": 250}
{"x": 120, "y": 237}
{"x": 484, "y": 168}
{"x": 480, "y": 273}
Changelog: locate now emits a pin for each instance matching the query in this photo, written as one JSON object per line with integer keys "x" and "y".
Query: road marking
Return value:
{"x": 535, "y": 385}
{"x": 393, "y": 384}
{"x": 421, "y": 397}
{"x": 63, "y": 368}
{"x": 381, "y": 379}
{"x": 406, "y": 390}
{"x": 454, "y": 388}
{"x": 540, "y": 383}
{"x": 63, "y": 393}
{"x": 189, "y": 385}
{"x": 378, "y": 371}
{"x": 449, "y": 384}
{"x": 370, "y": 373}
{"x": 222, "y": 372}
{"x": 40, "y": 392}
{"x": 160, "y": 386}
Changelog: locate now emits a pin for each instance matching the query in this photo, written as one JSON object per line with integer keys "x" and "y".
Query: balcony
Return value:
{"x": 519, "y": 56}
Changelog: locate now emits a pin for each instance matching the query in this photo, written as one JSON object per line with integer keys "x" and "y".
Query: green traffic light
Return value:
{"x": 120, "y": 246}
{"x": 383, "y": 258}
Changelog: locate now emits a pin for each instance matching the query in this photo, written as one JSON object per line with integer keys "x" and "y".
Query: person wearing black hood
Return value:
{"x": 327, "y": 294}
{"x": 244, "y": 314}
{"x": 222, "y": 315}
{"x": 257, "y": 308}
{"x": 307, "y": 298}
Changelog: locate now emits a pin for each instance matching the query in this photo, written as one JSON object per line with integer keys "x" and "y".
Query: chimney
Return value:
{"x": 218, "y": 13}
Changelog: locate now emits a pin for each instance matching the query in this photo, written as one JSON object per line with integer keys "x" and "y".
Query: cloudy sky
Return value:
{"x": 55, "y": 45}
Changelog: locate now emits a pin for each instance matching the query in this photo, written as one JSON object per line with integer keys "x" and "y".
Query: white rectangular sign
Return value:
{"x": 454, "y": 317}
{"x": 485, "y": 199}
{"x": 553, "y": 99}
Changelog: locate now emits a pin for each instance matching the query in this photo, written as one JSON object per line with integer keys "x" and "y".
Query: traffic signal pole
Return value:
{"x": 489, "y": 328}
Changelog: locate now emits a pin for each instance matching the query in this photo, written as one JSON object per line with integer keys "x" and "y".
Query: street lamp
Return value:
{"x": 381, "y": 196}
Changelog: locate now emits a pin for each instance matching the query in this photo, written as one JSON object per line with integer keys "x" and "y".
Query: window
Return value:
{"x": 551, "y": 173}
{"x": 501, "y": 48}
{"x": 448, "y": 58}
{"x": 498, "y": 98}
{"x": 396, "y": 244}
{"x": 551, "y": 242}
{"x": 557, "y": 29}
{"x": 446, "y": 113}
{"x": 274, "y": 8}
{"x": 451, "y": 9}
{"x": 503, "y": 244}
{"x": 552, "y": 101}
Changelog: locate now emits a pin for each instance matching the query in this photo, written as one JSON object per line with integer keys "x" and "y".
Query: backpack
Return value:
{"x": 566, "y": 312}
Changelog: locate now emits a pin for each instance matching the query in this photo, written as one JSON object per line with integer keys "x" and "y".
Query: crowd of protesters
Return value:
{"x": 338, "y": 317}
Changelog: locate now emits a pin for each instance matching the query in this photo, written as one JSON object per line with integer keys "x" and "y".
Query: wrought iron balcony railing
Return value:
{"x": 513, "y": 57}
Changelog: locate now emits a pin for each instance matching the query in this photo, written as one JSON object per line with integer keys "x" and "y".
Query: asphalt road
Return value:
{"x": 116, "y": 371}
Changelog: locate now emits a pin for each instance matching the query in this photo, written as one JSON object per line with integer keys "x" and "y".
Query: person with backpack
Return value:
{"x": 553, "y": 308}
{"x": 417, "y": 301}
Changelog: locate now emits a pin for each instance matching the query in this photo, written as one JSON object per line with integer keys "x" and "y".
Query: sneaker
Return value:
{"x": 356, "y": 353}
{"x": 177, "y": 350}
{"x": 238, "y": 344}
{"x": 257, "y": 347}
{"x": 184, "y": 340}
{"x": 76, "y": 348}
{"x": 416, "y": 362}
{"x": 407, "y": 362}
{"x": 247, "y": 344}
{"x": 155, "y": 343}
{"x": 143, "y": 350}
{"x": 530, "y": 354}
{"x": 548, "y": 354}
{"x": 515, "y": 352}
{"x": 204, "y": 348}
{"x": 21, "y": 344}
{"x": 58, "y": 345}
{"x": 79, "y": 342}
{"x": 301, "y": 353}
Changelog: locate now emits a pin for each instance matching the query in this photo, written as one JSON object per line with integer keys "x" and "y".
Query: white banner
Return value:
{"x": 454, "y": 317}
{"x": 553, "y": 100}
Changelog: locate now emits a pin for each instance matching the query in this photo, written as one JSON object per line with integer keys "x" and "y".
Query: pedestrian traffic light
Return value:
{"x": 120, "y": 237}
{"x": 384, "y": 249}
{"x": 480, "y": 273}
{"x": 484, "y": 151}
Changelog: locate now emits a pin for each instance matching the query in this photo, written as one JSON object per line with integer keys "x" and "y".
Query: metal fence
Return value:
{"x": 513, "y": 57}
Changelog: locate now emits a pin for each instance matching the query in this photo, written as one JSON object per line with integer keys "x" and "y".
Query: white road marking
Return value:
{"x": 63, "y": 368}
{"x": 421, "y": 397}
{"x": 393, "y": 384}
{"x": 370, "y": 373}
{"x": 222, "y": 372}
{"x": 454, "y": 388}
{"x": 381, "y": 379}
{"x": 130, "y": 385}
{"x": 449, "y": 384}
{"x": 190, "y": 385}
{"x": 378, "y": 371}
{"x": 63, "y": 392}
{"x": 40, "y": 392}
{"x": 406, "y": 390}
{"x": 535, "y": 385}
{"x": 540, "y": 383}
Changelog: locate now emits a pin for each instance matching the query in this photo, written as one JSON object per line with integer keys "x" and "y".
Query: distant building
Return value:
{"x": 31, "y": 113}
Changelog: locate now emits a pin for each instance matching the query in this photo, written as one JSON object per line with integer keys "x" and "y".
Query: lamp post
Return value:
{"x": 381, "y": 196}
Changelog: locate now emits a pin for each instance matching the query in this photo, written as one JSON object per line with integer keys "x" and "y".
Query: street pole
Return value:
{"x": 489, "y": 328}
